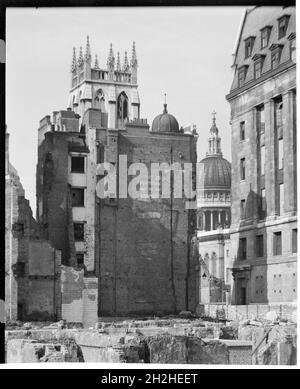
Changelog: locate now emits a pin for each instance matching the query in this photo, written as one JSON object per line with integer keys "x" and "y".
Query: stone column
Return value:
{"x": 219, "y": 217}
{"x": 270, "y": 176}
{"x": 289, "y": 153}
{"x": 211, "y": 220}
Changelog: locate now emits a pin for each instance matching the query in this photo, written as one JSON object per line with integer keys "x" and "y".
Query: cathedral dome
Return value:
{"x": 217, "y": 172}
{"x": 165, "y": 122}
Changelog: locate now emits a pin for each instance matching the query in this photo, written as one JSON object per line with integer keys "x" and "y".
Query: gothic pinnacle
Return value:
{"x": 126, "y": 64}
{"x": 88, "y": 56}
{"x": 73, "y": 66}
{"x": 80, "y": 58}
{"x": 111, "y": 58}
{"x": 118, "y": 62}
{"x": 96, "y": 66}
{"x": 133, "y": 56}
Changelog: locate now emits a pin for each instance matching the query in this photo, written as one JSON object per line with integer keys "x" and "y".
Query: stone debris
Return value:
{"x": 272, "y": 316}
{"x": 153, "y": 340}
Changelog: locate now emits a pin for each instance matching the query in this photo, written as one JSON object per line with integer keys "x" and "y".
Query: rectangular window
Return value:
{"x": 242, "y": 248}
{"x": 243, "y": 209}
{"x": 241, "y": 76}
{"x": 280, "y": 154}
{"x": 265, "y": 34}
{"x": 80, "y": 259}
{"x": 294, "y": 240}
{"x": 257, "y": 69}
{"x": 278, "y": 117}
{"x": 277, "y": 244}
{"x": 282, "y": 26}
{"x": 77, "y": 164}
{"x": 77, "y": 196}
{"x": 248, "y": 46}
{"x": 275, "y": 59}
{"x": 259, "y": 245}
{"x": 262, "y": 160}
{"x": 243, "y": 169}
{"x": 79, "y": 231}
{"x": 261, "y": 119}
{"x": 242, "y": 131}
{"x": 100, "y": 153}
{"x": 281, "y": 199}
{"x": 263, "y": 204}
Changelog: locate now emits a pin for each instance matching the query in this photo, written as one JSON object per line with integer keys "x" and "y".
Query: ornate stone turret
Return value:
{"x": 214, "y": 141}
{"x": 133, "y": 65}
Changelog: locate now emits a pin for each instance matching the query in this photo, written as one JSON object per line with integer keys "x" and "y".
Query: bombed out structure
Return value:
{"x": 120, "y": 255}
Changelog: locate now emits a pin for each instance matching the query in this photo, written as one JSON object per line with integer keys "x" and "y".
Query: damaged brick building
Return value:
{"x": 120, "y": 255}
{"x": 32, "y": 265}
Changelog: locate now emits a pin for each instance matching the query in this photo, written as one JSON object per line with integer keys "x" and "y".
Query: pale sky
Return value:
{"x": 185, "y": 52}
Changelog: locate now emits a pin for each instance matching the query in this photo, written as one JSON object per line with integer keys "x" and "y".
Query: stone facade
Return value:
{"x": 31, "y": 264}
{"x": 120, "y": 255}
{"x": 213, "y": 211}
{"x": 262, "y": 97}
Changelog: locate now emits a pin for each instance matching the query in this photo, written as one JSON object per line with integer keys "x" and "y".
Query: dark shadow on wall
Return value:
{"x": 250, "y": 281}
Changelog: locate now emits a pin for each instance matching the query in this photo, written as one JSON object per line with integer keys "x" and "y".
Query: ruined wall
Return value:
{"x": 135, "y": 243}
{"x": 79, "y": 297}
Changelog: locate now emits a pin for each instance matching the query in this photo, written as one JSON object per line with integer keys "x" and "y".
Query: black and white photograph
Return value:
{"x": 150, "y": 187}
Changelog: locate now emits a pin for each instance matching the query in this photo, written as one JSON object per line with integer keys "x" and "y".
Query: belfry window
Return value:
{"x": 122, "y": 106}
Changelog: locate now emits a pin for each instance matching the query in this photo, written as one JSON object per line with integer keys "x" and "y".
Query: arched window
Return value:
{"x": 99, "y": 101}
{"x": 122, "y": 107}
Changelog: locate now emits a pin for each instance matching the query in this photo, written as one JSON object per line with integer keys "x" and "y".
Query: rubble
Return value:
{"x": 154, "y": 340}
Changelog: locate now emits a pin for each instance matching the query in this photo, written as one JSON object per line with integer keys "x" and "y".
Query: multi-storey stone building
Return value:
{"x": 213, "y": 221}
{"x": 120, "y": 255}
{"x": 264, "y": 198}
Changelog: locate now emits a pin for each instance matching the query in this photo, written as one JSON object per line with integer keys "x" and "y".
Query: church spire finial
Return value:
{"x": 88, "y": 55}
{"x": 214, "y": 141}
{"x": 165, "y": 103}
{"x": 73, "y": 66}
{"x": 133, "y": 61}
{"x": 214, "y": 116}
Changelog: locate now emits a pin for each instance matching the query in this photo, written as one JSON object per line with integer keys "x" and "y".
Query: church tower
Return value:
{"x": 112, "y": 88}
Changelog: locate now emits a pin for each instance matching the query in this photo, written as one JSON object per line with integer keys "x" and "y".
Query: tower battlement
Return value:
{"x": 113, "y": 71}
{"x": 111, "y": 88}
